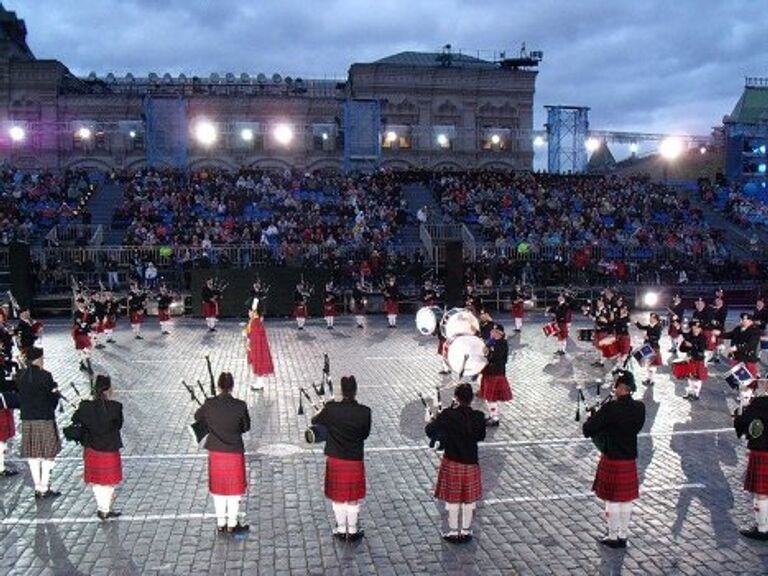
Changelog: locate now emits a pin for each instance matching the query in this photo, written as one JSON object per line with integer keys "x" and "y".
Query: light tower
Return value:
{"x": 567, "y": 132}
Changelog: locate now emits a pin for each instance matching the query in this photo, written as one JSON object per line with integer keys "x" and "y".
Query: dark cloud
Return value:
{"x": 648, "y": 66}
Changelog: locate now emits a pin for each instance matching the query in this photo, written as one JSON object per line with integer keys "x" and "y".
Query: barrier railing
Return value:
{"x": 426, "y": 239}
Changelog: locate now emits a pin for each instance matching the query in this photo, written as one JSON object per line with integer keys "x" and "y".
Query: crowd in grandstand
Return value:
{"x": 32, "y": 202}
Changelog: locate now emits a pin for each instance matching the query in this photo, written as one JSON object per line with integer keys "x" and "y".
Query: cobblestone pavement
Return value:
{"x": 538, "y": 515}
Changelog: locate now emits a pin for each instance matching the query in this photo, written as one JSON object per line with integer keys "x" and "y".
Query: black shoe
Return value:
{"x": 51, "y": 493}
{"x": 621, "y": 543}
{"x": 83, "y": 366}
{"x": 330, "y": 327}
{"x": 754, "y": 534}
{"x": 360, "y": 326}
{"x": 301, "y": 327}
{"x": 672, "y": 350}
{"x": 139, "y": 337}
{"x": 354, "y": 537}
{"x": 444, "y": 372}
{"x": 647, "y": 382}
{"x": 8, "y": 472}
{"x": 340, "y": 535}
{"x": 239, "y": 529}
{"x": 611, "y": 542}
{"x": 165, "y": 333}
{"x": 452, "y": 538}
{"x": 465, "y": 537}
{"x": 221, "y": 529}
{"x": 597, "y": 364}
{"x": 39, "y": 495}
{"x": 110, "y": 340}
{"x": 102, "y": 515}
{"x": 113, "y": 514}
{"x": 518, "y": 330}
{"x": 99, "y": 346}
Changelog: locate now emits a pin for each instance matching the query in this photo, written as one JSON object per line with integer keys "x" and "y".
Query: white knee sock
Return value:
{"x": 35, "y": 468}
{"x": 220, "y": 504}
{"x": 613, "y": 518}
{"x": 259, "y": 385}
{"x": 561, "y": 345}
{"x": 353, "y": 513}
{"x": 761, "y": 514}
{"x": 518, "y": 323}
{"x": 136, "y": 329}
{"x": 392, "y": 319}
{"x": 2, "y": 456}
{"x": 695, "y": 387}
{"x": 300, "y": 322}
{"x": 45, "y": 473}
{"x": 446, "y": 368}
{"x": 453, "y": 517}
{"x": 745, "y": 397}
{"x": 340, "y": 513}
{"x": 233, "y": 507}
{"x": 103, "y": 495}
{"x": 493, "y": 409}
{"x": 625, "y": 514}
{"x": 467, "y": 510}
{"x": 360, "y": 320}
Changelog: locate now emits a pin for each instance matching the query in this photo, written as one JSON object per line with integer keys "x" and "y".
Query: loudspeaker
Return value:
{"x": 21, "y": 266}
{"x": 454, "y": 273}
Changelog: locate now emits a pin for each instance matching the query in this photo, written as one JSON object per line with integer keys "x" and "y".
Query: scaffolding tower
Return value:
{"x": 166, "y": 132}
{"x": 567, "y": 131}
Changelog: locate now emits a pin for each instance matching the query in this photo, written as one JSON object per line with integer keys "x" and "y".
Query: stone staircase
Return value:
{"x": 102, "y": 207}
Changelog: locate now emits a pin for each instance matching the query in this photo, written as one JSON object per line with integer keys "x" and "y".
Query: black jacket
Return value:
{"x": 694, "y": 346}
{"x": 652, "y": 333}
{"x": 348, "y": 424}
{"x": 621, "y": 421}
{"x": 498, "y": 352}
{"x": 227, "y": 420}
{"x": 37, "y": 400}
{"x": 746, "y": 343}
{"x": 757, "y": 409}
{"x": 102, "y": 421}
{"x": 459, "y": 430}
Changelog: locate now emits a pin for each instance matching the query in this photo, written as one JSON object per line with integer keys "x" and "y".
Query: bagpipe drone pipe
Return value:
{"x": 317, "y": 433}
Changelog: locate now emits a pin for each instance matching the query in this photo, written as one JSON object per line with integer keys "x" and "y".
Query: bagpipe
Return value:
{"x": 14, "y": 304}
{"x": 199, "y": 429}
{"x": 74, "y": 431}
{"x": 436, "y": 439}
{"x": 599, "y": 440}
{"x": 317, "y": 433}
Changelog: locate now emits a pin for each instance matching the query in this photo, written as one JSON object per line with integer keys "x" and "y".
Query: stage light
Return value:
{"x": 84, "y": 133}
{"x": 324, "y": 135}
{"x": 246, "y": 134}
{"x": 442, "y": 140}
{"x": 391, "y": 136}
{"x": 762, "y": 149}
{"x": 538, "y": 142}
{"x": 132, "y": 134}
{"x": 634, "y": 147}
{"x": 703, "y": 150}
{"x": 205, "y": 133}
{"x": 495, "y": 139}
{"x": 17, "y": 133}
{"x": 283, "y": 134}
{"x": 650, "y": 299}
{"x": 670, "y": 148}
{"x": 761, "y": 168}
{"x": 592, "y": 144}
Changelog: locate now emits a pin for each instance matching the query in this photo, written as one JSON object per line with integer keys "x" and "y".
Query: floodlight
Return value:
{"x": 650, "y": 299}
{"x": 246, "y": 134}
{"x": 495, "y": 139}
{"x": 324, "y": 135}
{"x": 634, "y": 147}
{"x": 592, "y": 144}
{"x": 538, "y": 142}
{"x": 84, "y": 133}
{"x": 205, "y": 133}
{"x": 670, "y": 148}
{"x": 17, "y": 133}
{"x": 283, "y": 134}
{"x": 391, "y": 136}
{"x": 132, "y": 134}
{"x": 442, "y": 140}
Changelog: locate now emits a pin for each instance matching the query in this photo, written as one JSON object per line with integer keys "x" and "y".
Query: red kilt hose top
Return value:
{"x": 756, "y": 478}
{"x": 617, "y": 425}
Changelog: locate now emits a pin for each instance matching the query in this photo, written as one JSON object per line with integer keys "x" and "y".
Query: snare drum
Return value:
{"x": 427, "y": 319}
{"x": 645, "y": 354}
{"x": 681, "y": 369}
{"x": 466, "y": 355}
{"x": 458, "y": 321}
{"x": 586, "y": 334}
{"x": 550, "y": 329}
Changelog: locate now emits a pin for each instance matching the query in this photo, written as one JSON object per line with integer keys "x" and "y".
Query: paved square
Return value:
{"x": 538, "y": 515}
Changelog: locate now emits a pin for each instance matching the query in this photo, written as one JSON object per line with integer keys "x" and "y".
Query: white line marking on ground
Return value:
{"x": 584, "y": 495}
{"x": 95, "y": 520}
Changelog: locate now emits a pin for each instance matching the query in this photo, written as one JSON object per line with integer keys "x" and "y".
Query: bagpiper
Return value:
{"x": 137, "y": 308}
{"x": 164, "y": 300}
{"x": 211, "y": 297}
{"x": 300, "y": 304}
{"x": 329, "y": 305}
{"x": 391, "y": 293}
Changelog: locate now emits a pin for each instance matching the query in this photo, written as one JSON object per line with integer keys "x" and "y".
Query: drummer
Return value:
{"x": 494, "y": 386}
{"x": 652, "y": 337}
{"x": 695, "y": 345}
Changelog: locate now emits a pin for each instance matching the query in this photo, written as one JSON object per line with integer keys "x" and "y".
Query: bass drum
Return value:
{"x": 427, "y": 319}
{"x": 466, "y": 355}
{"x": 459, "y": 321}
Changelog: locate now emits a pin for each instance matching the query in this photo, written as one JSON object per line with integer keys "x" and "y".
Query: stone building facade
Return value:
{"x": 427, "y": 110}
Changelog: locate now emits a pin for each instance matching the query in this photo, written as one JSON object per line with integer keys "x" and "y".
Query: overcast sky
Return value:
{"x": 652, "y": 66}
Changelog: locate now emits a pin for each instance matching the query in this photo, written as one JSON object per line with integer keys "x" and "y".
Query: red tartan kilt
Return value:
{"x": 616, "y": 480}
{"x": 329, "y": 309}
{"x": 210, "y": 310}
{"x": 226, "y": 473}
{"x": 624, "y": 343}
{"x": 105, "y": 468}
{"x": 458, "y": 483}
{"x": 299, "y": 311}
{"x": 756, "y": 478}
{"x": 163, "y": 315}
{"x": 518, "y": 310}
{"x": 673, "y": 332}
{"x": 495, "y": 388}
{"x": 344, "y": 479}
{"x": 391, "y": 307}
{"x": 110, "y": 323}
{"x": 7, "y": 425}
{"x": 99, "y": 328}
{"x": 711, "y": 342}
{"x": 562, "y": 333}
{"x": 137, "y": 317}
{"x": 657, "y": 359}
{"x": 82, "y": 341}
{"x": 697, "y": 370}
{"x": 597, "y": 336}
